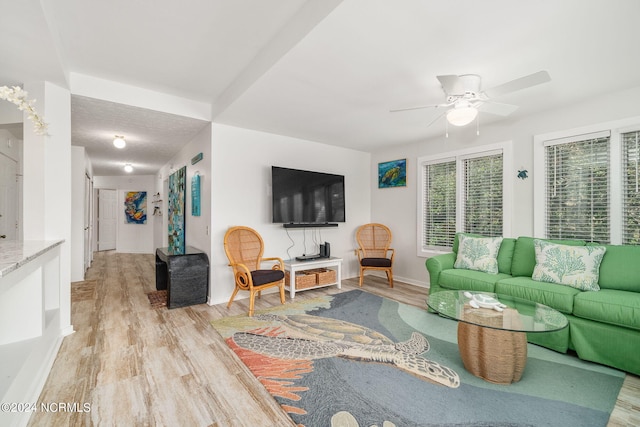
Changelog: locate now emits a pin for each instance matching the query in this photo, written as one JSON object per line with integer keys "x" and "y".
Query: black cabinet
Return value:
{"x": 185, "y": 276}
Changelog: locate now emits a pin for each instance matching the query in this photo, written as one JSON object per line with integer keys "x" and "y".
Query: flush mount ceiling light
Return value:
{"x": 128, "y": 168}
{"x": 462, "y": 114}
{"x": 119, "y": 142}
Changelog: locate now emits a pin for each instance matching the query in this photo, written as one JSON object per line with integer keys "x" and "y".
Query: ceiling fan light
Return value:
{"x": 462, "y": 116}
{"x": 128, "y": 168}
{"x": 119, "y": 142}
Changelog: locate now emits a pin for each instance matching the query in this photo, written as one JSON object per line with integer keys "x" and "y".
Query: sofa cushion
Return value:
{"x": 524, "y": 254}
{"x": 610, "y": 306}
{"x": 505, "y": 254}
{"x": 478, "y": 253}
{"x": 555, "y": 296}
{"x": 575, "y": 266}
{"x": 470, "y": 280}
{"x": 620, "y": 268}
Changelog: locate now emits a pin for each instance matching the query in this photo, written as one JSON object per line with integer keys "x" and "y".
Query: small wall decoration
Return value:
{"x": 195, "y": 195}
{"x": 392, "y": 174}
{"x": 135, "y": 207}
{"x": 522, "y": 174}
{"x": 176, "y": 212}
{"x": 196, "y": 158}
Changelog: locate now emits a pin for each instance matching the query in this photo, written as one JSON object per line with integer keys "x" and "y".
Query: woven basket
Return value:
{"x": 325, "y": 276}
{"x": 304, "y": 279}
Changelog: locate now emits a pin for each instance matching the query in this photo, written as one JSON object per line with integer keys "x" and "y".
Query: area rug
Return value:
{"x": 358, "y": 359}
{"x": 158, "y": 299}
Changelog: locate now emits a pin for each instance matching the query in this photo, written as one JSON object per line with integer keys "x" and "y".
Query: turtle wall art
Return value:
{"x": 392, "y": 174}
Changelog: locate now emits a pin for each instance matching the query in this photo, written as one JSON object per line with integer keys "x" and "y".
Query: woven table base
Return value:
{"x": 495, "y": 355}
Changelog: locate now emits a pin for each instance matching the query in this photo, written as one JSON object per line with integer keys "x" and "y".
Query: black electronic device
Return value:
{"x": 325, "y": 250}
{"x": 308, "y": 257}
{"x": 303, "y": 198}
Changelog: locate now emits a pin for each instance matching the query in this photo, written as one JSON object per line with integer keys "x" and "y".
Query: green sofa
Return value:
{"x": 604, "y": 325}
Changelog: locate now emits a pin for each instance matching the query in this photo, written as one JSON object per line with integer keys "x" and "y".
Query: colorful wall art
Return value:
{"x": 135, "y": 207}
{"x": 195, "y": 195}
{"x": 392, "y": 174}
{"x": 177, "y": 189}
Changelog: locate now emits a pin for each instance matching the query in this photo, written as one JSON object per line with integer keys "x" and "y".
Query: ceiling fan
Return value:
{"x": 465, "y": 97}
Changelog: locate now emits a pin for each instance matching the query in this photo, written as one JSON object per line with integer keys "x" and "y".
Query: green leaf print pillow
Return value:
{"x": 478, "y": 253}
{"x": 575, "y": 266}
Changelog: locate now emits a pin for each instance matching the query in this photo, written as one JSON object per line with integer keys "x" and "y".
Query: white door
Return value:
{"x": 8, "y": 198}
{"x": 107, "y": 218}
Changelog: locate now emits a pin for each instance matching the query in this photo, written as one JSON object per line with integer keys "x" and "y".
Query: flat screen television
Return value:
{"x": 307, "y": 198}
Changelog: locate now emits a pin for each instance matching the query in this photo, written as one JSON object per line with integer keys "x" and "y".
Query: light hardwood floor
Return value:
{"x": 135, "y": 365}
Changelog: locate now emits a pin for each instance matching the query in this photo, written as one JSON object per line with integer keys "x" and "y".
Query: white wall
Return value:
{"x": 241, "y": 190}
{"x": 197, "y": 228}
{"x": 131, "y": 238}
{"x": 403, "y": 222}
{"x": 78, "y": 168}
{"x": 10, "y": 114}
{"x": 47, "y": 182}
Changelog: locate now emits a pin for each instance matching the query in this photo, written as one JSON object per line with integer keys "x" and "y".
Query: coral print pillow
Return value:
{"x": 478, "y": 253}
{"x": 575, "y": 266}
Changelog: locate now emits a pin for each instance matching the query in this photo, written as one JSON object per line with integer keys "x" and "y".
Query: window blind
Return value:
{"x": 630, "y": 188}
{"x": 439, "y": 204}
{"x": 577, "y": 190}
{"x": 482, "y": 211}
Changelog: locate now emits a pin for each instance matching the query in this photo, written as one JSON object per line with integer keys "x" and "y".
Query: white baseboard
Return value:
{"x": 407, "y": 280}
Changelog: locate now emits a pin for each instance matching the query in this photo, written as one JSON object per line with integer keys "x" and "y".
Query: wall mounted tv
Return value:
{"x": 307, "y": 199}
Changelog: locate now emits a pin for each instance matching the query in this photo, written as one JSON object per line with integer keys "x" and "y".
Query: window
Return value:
{"x": 439, "y": 204}
{"x": 462, "y": 191}
{"x": 630, "y": 188}
{"x": 483, "y": 195}
{"x": 587, "y": 183}
{"x": 577, "y": 189}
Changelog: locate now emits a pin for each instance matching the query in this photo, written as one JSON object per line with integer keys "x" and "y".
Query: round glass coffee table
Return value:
{"x": 492, "y": 330}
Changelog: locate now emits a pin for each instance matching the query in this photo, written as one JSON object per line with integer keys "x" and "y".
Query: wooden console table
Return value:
{"x": 293, "y": 266}
{"x": 185, "y": 276}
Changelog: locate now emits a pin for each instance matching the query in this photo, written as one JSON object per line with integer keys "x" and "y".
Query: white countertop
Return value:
{"x": 15, "y": 253}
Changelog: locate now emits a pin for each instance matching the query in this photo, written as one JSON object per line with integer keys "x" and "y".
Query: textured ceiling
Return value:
{"x": 152, "y": 137}
{"x": 322, "y": 70}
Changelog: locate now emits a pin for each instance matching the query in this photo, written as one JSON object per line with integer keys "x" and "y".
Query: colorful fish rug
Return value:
{"x": 356, "y": 359}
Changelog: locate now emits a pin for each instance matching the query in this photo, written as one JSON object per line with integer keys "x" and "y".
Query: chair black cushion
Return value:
{"x": 375, "y": 262}
{"x": 261, "y": 277}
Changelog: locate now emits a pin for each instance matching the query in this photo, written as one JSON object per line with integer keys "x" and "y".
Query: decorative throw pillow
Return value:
{"x": 575, "y": 266}
{"x": 478, "y": 253}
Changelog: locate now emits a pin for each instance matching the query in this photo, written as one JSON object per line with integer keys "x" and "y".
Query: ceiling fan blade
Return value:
{"x": 421, "y": 107}
{"x": 451, "y": 84}
{"x": 518, "y": 84}
{"x": 496, "y": 108}
{"x": 413, "y": 108}
{"x": 435, "y": 119}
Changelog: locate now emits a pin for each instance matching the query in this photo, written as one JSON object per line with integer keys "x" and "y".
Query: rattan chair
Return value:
{"x": 374, "y": 252}
{"x": 244, "y": 248}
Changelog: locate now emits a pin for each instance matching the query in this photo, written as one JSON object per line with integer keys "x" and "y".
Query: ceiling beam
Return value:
{"x": 310, "y": 14}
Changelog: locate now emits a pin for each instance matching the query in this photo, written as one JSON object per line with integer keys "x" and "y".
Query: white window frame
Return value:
{"x": 615, "y": 128}
{"x": 460, "y": 155}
